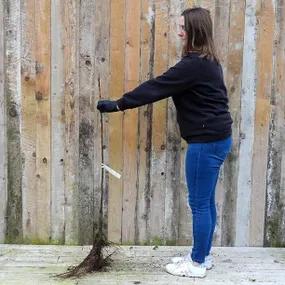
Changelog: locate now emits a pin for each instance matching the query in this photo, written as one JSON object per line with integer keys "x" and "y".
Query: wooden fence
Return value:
{"x": 57, "y": 58}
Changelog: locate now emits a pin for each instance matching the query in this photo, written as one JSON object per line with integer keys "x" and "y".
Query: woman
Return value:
{"x": 197, "y": 88}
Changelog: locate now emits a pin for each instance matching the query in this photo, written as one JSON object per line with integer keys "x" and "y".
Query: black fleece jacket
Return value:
{"x": 197, "y": 88}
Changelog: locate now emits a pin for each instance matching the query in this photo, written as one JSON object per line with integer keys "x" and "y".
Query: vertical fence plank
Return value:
{"x": 262, "y": 115}
{"x": 130, "y": 138}
{"x": 71, "y": 110}
{"x": 275, "y": 212}
{"x": 43, "y": 161}
{"x": 13, "y": 97}
{"x": 221, "y": 38}
{"x": 117, "y": 57}
{"x": 248, "y": 93}
{"x": 172, "y": 190}
{"x": 144, "y": 124}
{"x": 158, "y": 155}
{"x": 102, "y": 75}
{"x": 86, "y": 120}
{"x": 57, "y": 123}
{"x": 3, "y": 145}
{"x": 185, "y": 220}
{"x": 221, "y": 18}
{"x": 28, "y": 123}
{"x": 227, "y": 203}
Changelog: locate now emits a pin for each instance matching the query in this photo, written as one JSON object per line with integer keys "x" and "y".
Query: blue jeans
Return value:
{"x": 203, "y": 162}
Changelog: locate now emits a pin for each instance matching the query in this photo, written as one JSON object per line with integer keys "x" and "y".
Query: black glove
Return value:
{"x": 107, "y": 106}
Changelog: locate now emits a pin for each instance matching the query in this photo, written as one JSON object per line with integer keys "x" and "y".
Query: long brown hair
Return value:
{"x": 199, "y": 30}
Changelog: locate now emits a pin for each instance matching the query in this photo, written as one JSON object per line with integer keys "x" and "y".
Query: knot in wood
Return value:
{"x": 39, "y": 67}
{"x": 13, "y": 111}
{"x": 39, "y": 96}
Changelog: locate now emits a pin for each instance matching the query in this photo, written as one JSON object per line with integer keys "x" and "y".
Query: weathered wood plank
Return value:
{"x": 221, "y": 18}
{"x": 158, "y": 155}
{"x": 12, "y": 28}
{"x": 172, "y": 189}
{"x": 28, "y": 122}
{"x": 130, "y": 123}
{"x": 43, "y": 127}
{"x": 275, "y": 212}
{"x": 3, "y": 144}
{"x": 185, "y": 220}
{"x": 117, "y": 58}
{"x": 265, "y": 14}
{"x": 86, "y": 121}
{"x": 71, "y": 115}
{"x": 102, "y": 74}
{"x": 233, "y": 82}
{"x": 247, "y": 113}
{"x": 57, "y": 123}
{"x": 144, "y": 124}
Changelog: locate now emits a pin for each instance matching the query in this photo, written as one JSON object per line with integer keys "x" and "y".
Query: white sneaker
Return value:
{"x": 186, "y": 269}
{"x": 208, "y": 263}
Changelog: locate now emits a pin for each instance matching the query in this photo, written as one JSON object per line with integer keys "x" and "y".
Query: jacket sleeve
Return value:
{"x": 172, "y": 82}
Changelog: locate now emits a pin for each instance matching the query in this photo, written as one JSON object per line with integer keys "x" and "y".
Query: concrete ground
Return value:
{"x": 29, "y": 264}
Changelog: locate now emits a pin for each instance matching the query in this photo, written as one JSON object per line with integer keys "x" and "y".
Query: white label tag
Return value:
{"x": 110, "y": 170}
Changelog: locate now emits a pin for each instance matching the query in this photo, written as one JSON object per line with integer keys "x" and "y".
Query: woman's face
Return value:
{"x": 181, "y": 28}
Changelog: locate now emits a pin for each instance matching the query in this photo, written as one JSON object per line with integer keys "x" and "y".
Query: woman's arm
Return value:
{"x": 172, "y": 82}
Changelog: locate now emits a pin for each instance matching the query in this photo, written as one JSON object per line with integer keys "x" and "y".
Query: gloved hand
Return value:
{"x": 107, "y": 106}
